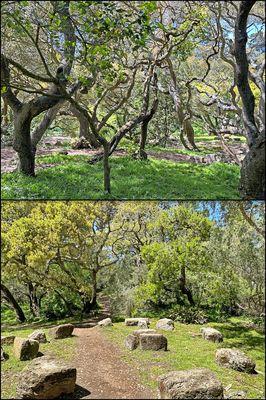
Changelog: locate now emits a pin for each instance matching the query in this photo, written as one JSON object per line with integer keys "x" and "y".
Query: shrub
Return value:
{"x": 188, "y": 315}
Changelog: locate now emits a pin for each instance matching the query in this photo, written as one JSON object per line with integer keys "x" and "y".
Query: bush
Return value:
{"x": 188, "y": 315}
{"x": 259, "y": 323}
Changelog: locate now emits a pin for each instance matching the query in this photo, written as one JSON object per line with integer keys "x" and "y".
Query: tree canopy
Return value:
{"x": 146, "y": 256}
{"x": 138, "y": 70}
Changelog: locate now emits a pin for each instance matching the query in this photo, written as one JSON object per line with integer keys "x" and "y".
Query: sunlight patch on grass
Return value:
{"x": 10, "y": 369}
{"x": 186, "y": 352}
{"x": 130, "y": 179}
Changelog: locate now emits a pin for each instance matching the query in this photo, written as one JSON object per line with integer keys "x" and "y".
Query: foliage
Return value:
{"x": 193, "y": 260}
{"x": 188, "y": 315}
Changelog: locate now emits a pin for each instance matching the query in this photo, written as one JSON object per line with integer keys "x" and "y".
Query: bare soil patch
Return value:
{"x": 101, "y": 373}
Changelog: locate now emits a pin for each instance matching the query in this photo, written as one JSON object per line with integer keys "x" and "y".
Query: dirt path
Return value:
{"x": 9, "y": 158}
{"x": 101, "y": 373}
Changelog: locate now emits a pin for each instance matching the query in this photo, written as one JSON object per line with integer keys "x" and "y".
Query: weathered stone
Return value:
{"x": 46, "y": 378}
{"x": 81, "y": 143}
{"x": 152, "y": 341}
{"x": 131, "y": 342}
{"x": 105, "y": 322}
{"x": 198, "y": 383}
{"x": 135, "y": 321}
{"x": 25, "y": 349}
{"x": 61, "y": 331}
{"x": 211, "y": 334}
{"x": 235, "y": 359}
{"x": 143, "y": 324}
{"x": 39, "y": 336}
{"x": 165, "y": 324}
{"x": 7, "y": 339}
{"x": 139, "y": 332}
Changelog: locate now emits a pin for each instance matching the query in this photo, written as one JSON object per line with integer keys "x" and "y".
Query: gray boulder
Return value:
{"x": 198, "y": 383}
{"x": 211, "y": 334}
{"x": 139, "y": 332}
{"x": 143, "y": 324}
{"x": 46, "y": 378}
{"x": 61, "y": 331}
{"x": 105, "y": 322}
{"x": 152, "y": 341}
{"x": 25, "y": 349}
{"x": 131, "y": 342}
{"x": 7, "y": 339}
{"x": 165, "y": 324}
{"x": 135, "y": 321}
{"x": 235, "y": 359}
{"x": 39, "y": 336}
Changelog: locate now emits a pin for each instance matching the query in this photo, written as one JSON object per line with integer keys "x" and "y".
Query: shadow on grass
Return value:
{"x": 244, "y": 336}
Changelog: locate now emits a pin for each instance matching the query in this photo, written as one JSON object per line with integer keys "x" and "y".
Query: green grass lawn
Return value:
{"x": 207, "y": 138}
{"x": 10, "y": 369}
{"x": 74, "y": 178}
{"x": 186, "y": 351}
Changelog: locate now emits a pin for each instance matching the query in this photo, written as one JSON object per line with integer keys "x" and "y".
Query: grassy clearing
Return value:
{"x": 74, "y": 178}
{"x": 205, "y": 138}
{"x": 186, "y": 351}
{"x": 10, "y": 369}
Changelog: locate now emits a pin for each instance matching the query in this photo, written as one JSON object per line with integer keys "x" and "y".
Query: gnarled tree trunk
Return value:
{"x": 84, "y": 128}
{"x": 183, "y": 286}
{"x": 22, "y": 140}
{"x": 186, "y": 128}
{"x": 252, "y": 181}
{"x": 33, "y": 299}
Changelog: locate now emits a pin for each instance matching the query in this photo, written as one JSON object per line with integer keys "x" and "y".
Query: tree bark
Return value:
{"x": 252, "y": 174}
{"x": 22, "y": 140}
{"x": 84, "y": 128}
{"x": 14, "y": 304}
{"x": 106, "y": 168}
{"x": 144, "y": 129}
{"x": 242, "y": 70}
{"x": 143, "y": 139}
{"x": 94, "y": 289}
{"x": 49, "y": 117}
{"x": 183, "y": 287}
{"x": 186, "y": 127}
{"x": 34, "y": 303}
{"x": 252, "y": 180}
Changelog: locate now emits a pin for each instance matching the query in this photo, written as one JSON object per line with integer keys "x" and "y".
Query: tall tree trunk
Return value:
{"x": 252, "y": 174}
{"x": 22, "y": 140}
{"x": 4, "y": 113}
{"x": 94, "y": 289}
{"x": 106, "y": 168}
{"x": 144, "y": 128}
{"x": 252, "y": 180}
{"x": 14, "y": 304}
{"x": 143, "y": 139}
{"x": 34, "y": 303}
{"x": 90, "y": 304}
{"x": 84, "y": 129}
{"x": 183, "y": 287}
{"x": 186, "y": 128}
{"x": 40, "y": 130}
